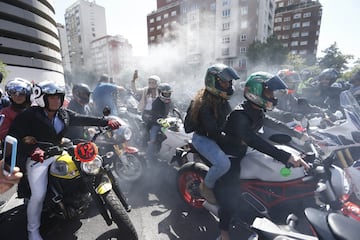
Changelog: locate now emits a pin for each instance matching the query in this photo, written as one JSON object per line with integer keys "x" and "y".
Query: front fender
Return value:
{"x": 103, "y": 188}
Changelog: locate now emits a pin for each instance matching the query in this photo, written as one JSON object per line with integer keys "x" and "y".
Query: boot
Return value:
{"x": 207, "y": 193}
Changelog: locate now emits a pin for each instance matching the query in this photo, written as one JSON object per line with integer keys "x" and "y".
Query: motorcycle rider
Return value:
{"x": 106, "y": 94}
{"x": 146, "y": 95}
{"x": 289, "y": 105}
{"x": 208, "y": 113}
{"x": 79, "y": 104}
{"x": 242, "y": 124}
{"x": 19, "y": 91}
{"x": 46, "y": 122}
{"x": 160, "y": 109}
{"x": 324, "y": 93}
{"x": 355, "y": 88}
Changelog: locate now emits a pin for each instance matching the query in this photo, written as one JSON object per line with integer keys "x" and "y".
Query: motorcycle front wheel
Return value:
{"x": 120, "y": 216}
{"x": 189, "y": 177}
{"x": 133, "y": 170}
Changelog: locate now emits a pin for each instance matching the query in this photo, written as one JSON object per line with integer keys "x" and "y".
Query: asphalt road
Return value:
{"x": 158, "y": 214}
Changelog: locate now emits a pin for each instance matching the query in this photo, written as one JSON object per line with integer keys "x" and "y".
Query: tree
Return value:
{"x": 270, "y": 52}
{"x": 334, "y": 58}
{"x": 2, "y": 71}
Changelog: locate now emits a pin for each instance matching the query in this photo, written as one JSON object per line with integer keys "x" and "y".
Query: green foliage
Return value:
{"x": 334, "y": 58}
{"x": 270, "y": 52}
{"x": 3, "y": 70}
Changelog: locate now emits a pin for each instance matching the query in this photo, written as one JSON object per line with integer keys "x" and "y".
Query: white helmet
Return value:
{"x": 43, "y": 89}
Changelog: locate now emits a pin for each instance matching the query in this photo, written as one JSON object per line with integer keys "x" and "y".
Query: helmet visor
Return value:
{"x": 275, "y": 83}
{"x": 228, "y": 74}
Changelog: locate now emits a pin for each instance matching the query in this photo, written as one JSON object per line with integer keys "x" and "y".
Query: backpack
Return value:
{"x": 189, "y": 126}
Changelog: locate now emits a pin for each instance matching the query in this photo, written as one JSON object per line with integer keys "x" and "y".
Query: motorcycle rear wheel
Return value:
{"x": 133, "y": 171}
{"x": 120, "y": 216}
{"x": 189, "y": 177}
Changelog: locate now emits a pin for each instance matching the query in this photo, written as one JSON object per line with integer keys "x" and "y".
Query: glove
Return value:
{"x": 113, "y": 124}
{"x": 38, "y": 155}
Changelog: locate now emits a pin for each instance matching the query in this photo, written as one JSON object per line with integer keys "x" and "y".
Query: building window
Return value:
{"x": 296, "y": 25}
{"x": 304, "y": 34}
{"x": 294, "y": 43}
{"x": 244, "y": 24}
{"x": 173, "y": 13}
{"x": 294, "y": 52}
{"x": 307, "y": 14}
{"x": 151, "y": 20}
{"x": 225, "y": 26}
{"x": 225, "y": 2}
{"x": 242, "y": 63}
{"x": 244, "y": 11}
{"x": 281, "y": 4}
{"x": 285, "y": 36}
{"x": 166, "y": 15}
{"x": 226, "y": 13}
{"x": 297, "y": 16}
{"x": 306, "y": 24}
{"x": 166, "y": 25}
{"x": 158, "y": 27}
{"x": 242, "y": 50}
{"x": 295, "y": 34}
{"x": 286, "y": 27}
{"x": 277, "y": 28}
{"x": 286, "y": 19}
{"x": 226, "y": 39}
{"x": 225, "y": 52}
{"x": 278, "y": 19}
{"x": 303, "y": 43}
{"x": 158, "y": 18}
{"x": 302, "y": 52}
{"x": 285, "y": 45}
{"x": 152, "y": 38}
{"x": 152, "y": 29}
{"x": 290, "y": 2}
{"x": 243, "y": 37}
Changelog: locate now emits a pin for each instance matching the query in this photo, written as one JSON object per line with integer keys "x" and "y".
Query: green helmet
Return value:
{"x": 255, "y": 85}
{"x": 220, "y": 72}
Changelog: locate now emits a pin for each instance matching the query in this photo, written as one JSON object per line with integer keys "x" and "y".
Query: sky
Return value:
{"x": 128, "y": 18}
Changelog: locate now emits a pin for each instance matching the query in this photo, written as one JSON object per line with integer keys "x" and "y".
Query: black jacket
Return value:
{"x": 159, "y": 110}
{"x": 210, "y": 125}
{"x": 243, "y": 125}
{"x": 34, "y": 122}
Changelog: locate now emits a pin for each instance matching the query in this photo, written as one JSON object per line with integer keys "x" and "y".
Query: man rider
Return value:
{"x": 46, "y": 122}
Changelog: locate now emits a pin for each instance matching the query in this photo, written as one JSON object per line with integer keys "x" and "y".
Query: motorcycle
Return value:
{"x": 171, "y": 136}
{"x": 326, "y": 226}
{"x": 127, "y": 162}
{"x": 271, "y": 189}
{"x": 79, "y": 176}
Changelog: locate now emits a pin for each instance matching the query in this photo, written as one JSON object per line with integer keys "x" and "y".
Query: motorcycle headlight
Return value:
{"x": 92, "y": 167}
{"x": 59, "y": 168}
{"x": 122, "y": 134}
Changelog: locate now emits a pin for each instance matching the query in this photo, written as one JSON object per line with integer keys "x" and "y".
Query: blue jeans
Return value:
{"x": 153, "y": 148}
{"x": 212, "y": 152}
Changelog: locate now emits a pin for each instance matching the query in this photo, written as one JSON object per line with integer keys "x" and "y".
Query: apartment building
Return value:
{"x": 84, "y": 22}
{"x": 162, "y": 23}
{"x": 111, "y": 55}
{"x": 297, "y": 25}
{"x": 214, "y": 31}
{"x": 29, "y": 41}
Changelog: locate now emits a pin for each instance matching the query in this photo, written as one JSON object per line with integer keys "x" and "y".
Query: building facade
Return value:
{"x": 297, "y": 25}
{"x": 84, "y": 22}
{"x": 111, "y": 55}
{"x": 29, "y": 41}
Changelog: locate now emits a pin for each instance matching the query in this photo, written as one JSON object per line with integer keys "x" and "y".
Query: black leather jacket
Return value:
{"x": 34, "y": 122}
{"x": 243, "y": 125}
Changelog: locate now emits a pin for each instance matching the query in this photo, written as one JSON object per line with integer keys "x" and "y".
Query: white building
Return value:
{"x": 85, "y": 21}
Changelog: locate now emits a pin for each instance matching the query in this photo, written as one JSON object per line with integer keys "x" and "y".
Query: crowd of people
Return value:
{"x": 36, "y": 109}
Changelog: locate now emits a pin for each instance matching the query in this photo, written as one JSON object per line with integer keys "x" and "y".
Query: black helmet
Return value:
{"x": 329, "y": 74}
{"x": 19, "y": 86}
{"x": 81, "y": 93}
{"x": 220, "y": 73}
{"x": 164, "y": 90}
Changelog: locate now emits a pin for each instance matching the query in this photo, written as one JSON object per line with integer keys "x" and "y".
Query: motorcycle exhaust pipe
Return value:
{"x": 214, "y": 209}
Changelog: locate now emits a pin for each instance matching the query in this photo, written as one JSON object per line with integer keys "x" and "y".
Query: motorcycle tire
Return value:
{"x": 133, "y": 171}
{"x": 120, "y": 216}
{"x": 189, "y": 177}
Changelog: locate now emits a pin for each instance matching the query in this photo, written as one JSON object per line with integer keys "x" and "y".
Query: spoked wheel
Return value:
{"x": 190, "y": 175}
{"x": 133, "y": 170}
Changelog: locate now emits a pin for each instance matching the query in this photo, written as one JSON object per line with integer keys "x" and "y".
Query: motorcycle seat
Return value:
{"x": 343, "y": 227}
